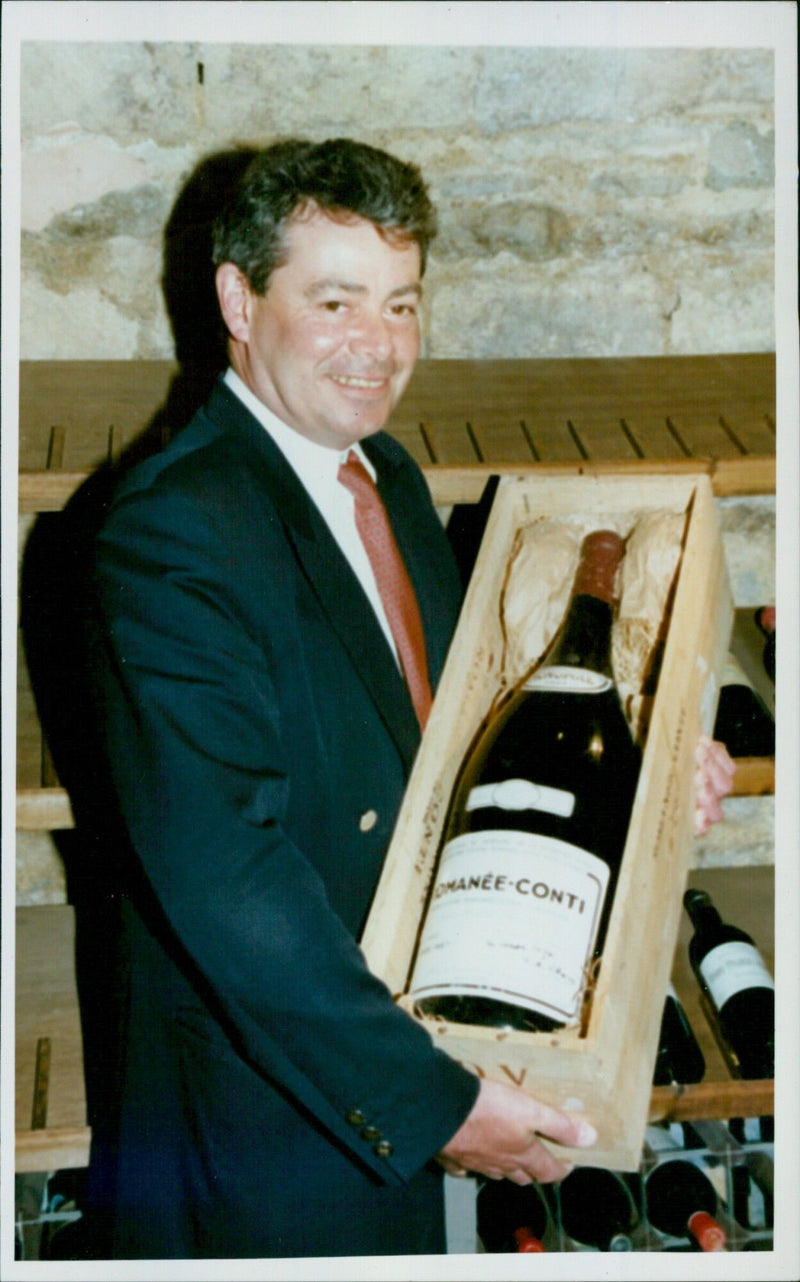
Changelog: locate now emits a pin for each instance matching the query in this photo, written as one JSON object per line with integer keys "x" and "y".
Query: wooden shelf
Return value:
{"x": 47, "y": 1006}
{"x": 461, "y": 420}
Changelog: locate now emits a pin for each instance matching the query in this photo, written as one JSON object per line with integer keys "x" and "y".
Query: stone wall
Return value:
{"x": 594, "y": 202}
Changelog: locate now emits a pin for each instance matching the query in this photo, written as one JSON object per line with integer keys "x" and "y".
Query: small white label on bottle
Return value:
{"x": 566, "y": 680}
{"x": 513, "y": 917}
{"x": 521, "y": 794}
{"x": 731, "y": 968}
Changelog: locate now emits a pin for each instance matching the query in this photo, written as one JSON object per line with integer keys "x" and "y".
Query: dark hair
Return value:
{"x": 339, "y": 176}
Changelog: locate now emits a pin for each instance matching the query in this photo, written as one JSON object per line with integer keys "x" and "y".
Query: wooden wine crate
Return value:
{"x": 604, "y": 1070}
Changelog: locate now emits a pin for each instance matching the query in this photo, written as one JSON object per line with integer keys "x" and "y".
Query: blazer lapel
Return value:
{"x": 351, "y": 615}
{"x": 326, "y": 568}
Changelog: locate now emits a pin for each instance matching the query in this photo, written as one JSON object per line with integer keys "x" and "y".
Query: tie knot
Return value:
{"x": 355, "y": 477}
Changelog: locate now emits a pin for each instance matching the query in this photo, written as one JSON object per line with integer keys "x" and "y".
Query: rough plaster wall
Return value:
{"x": 593, "y": 202}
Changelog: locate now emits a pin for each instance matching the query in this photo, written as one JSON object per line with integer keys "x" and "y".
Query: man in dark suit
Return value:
{"x": 260, "y": 717}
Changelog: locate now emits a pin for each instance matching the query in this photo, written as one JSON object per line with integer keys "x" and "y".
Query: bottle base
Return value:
{"x": 486, "y": 1012}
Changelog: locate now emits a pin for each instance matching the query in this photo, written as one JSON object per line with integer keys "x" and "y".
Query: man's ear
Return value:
{"x": 234, "y": 292}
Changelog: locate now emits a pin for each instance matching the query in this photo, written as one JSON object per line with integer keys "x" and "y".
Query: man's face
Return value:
{"x": 331, "y": 345}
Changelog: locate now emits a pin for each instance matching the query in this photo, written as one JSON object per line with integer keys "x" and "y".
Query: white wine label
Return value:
{"x": 521, "y": 794}
{"x": 730, "y": 968}
{"x": 566, "y": 680}
{"x": 513, "y": 916}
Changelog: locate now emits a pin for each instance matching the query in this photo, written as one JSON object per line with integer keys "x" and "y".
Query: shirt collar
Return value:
{"x": 311, "y": 461}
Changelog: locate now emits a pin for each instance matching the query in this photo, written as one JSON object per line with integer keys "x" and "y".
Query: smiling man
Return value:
{"x": 273, "y": 598}
{"x": 331, "y": 345}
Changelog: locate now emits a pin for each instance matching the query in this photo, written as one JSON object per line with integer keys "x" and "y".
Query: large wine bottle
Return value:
{"x": 536, "y": 832}
{"x": 682, "y": 1202}
{"x": 743, "y": 723}
{"x": 597, "y": 1209}
{"x": 512, "y": 1218}
{"x": 679, "y": 1058}
{"x": 735, "y": 979}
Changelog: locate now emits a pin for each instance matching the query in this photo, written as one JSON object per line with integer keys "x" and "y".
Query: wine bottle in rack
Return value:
{"x": 512, "y": 1218}
{"x": 597, "y": 1209}
{"x": 679, "y": 1058}
{"x": 739, "y": 988}
{"x": 743, "y": 723}
{"x": 682, "y": 1202}
{"x": 536, "y": 832}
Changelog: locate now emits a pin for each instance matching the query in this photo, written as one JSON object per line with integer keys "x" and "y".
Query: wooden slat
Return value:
{"x": 43, "y": 810}
{"x": 56, "y": 1148}
{"x": 450, "y": 442}
{"x": 463, "y": 483}
{"x": 48, "y": 491}
{"x": 552, "y": 441}
{"x": 653, "y": 436}
{"x": 47, "y": 1007}
{"x": 754, "y": 436}
{"x": 55, "y": 449}
{"x": 703, "y": 436}
{"x": 753, "y": 474}
{"x": 728, "y": 476}
{"x": 603, "y": 441}
{"x": 41, "y": 1084}
{"x": 413, "y": 439}
{"x": 755, "y": 776}
{"x": 502, "y": 442}
{"x": 712, "y": 1099}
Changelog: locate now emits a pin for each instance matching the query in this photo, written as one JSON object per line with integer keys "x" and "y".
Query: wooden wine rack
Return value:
{"x": 462, "y": 421}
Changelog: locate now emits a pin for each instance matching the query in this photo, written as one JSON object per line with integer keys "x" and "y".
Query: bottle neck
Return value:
{"x": 703, "y": 914}
{"x": 584, "y": 640}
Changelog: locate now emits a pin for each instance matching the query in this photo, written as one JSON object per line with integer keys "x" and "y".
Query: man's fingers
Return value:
{"x": 715, "y": 763}
{"x": 714, "y": 771}
{"x": 501, "y": 1137}
{"x": 564, "y": 1128}
{"x": 543, "y": 1167}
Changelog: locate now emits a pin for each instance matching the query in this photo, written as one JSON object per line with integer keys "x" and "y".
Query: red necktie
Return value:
{"x": 394, "y": 586}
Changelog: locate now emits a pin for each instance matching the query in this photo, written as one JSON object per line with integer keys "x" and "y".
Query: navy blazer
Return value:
{"x": 272, "y": 1099}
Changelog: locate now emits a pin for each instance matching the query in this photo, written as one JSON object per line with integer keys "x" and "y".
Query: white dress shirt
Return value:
{"x": 317, "y": 468}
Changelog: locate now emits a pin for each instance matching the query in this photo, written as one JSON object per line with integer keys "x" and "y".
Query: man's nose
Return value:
{"x": 371, "y": 335}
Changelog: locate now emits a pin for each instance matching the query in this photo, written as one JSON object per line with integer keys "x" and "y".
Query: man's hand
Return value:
{"x": 713, "y": 780}
{"x": 500, "y": 1137}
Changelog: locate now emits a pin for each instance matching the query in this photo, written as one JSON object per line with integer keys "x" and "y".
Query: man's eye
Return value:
{"x": 404, "y": 309}
{"x": 333, "y": 305}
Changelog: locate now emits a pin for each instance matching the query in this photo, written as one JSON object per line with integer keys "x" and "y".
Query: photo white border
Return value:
{"x": 742, "y": 24}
